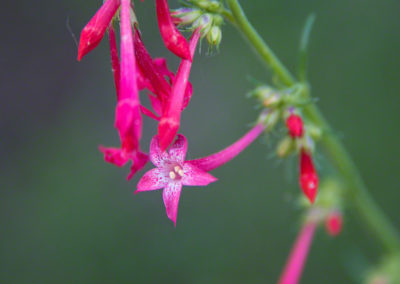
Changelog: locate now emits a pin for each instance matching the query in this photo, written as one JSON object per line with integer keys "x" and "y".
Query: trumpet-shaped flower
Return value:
{"x": 128, "y": 118}
{"x": 172, "y": 170}
{"x": 170, "y": 120}
{"x": 172, "y": 38}
{"x": 298, "y": 256}
{"x": 94, "y": 31}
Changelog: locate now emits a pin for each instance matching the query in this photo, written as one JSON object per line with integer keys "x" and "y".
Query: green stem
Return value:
{"x": 371, "y": 214}
{"x": 259, "y": 45}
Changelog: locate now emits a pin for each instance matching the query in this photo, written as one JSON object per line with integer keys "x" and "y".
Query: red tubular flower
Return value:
{"x": 94, "y": 31}
{"x": 170, "y": 121}
{"x": 114, "y": 57}
{"x": 153, "y": 72}
{"x": 294, "y": 124}
{"x": 172, "y": 38}
{"x": 308, "y": 176}
{"x": 128, "y": 119}
{"x": 294, "y": 267}
{"x": 334, "y": 223}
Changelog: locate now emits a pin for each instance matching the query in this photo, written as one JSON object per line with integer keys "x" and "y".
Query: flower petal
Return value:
{"x": 152, "y": 180}
{"x": 139, "y": 161}
{"x": 178, "y": 150}
{"x": 93, "y": 32}
{"x": 171, "y": 194}
{"x": 157, "y": 157}
{"x": 114, "y": 156}
{"x": 192, "y": 175}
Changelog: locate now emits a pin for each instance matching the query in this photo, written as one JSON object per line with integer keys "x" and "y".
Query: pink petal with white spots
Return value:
{"x": 178, "y": 150}
{"x": 157, "y": 157}
{"x": 192, "y": 175}
{"x": 152, "y": 180}
{"x": 171, "y": 194}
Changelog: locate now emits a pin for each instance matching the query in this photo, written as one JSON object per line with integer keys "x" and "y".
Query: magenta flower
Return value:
{"x": 172, "y": 171}
{"x": 152, "y": 76}
{"x": 298, "y": 256}
{"x": 128, "y": 119}
{"x": 172, "y": 38}
{"x": 170, "y": 121}
{"x": 94, "y": 31}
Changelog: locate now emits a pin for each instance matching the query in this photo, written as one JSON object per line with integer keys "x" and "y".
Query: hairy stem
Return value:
{"x": 358, "y": 194}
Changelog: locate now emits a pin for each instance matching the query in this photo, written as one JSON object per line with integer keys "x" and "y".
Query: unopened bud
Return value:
{"x": 294, "y": 124}
{"x": 185, "y": 16}
{"x": 204, "y": 23}
{"x": 308, "y": 176}
{"x": 214, "y": 36}
{"x": 334, "y": 223}
{"x": 285, "y": 147}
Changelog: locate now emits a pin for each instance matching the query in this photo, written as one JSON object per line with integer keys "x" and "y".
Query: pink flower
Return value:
{"x": 128, "y": 119}
{"x": 152, "y": 76}
{"x": 294, "y": 124}
{"x": 172, "y": 171}
{"x": 308, "y": 176}
{"x": 170, "y": 120}
{"x": 94, "y": 31}
{"x": 172, "y": 38}
{"x": 294, "y": 267}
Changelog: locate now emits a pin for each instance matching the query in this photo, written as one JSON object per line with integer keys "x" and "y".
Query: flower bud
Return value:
{"x": 308, "y": 176}
{"x": 185, "y": 16}
{"x": 204, "y": 23}
{"x": 285, "y": 147}
{"x": 294, "y": 124}
{"x": 214, "y": 36}
{"x": 333, "y": 223}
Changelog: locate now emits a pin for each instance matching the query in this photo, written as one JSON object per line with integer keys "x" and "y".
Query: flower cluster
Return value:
{"x": 135, "y": 70}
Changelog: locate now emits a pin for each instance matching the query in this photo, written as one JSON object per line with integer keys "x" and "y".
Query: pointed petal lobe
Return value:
{"x": 178, "y": 150}
{"x": 152, "y": 180}
{"x": 157, "y": 157}
{"x": 196, "y": 177}
{"x": 171, "y": 194}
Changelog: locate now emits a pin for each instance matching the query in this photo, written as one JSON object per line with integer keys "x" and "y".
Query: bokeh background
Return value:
{"x": 68, "y": 217}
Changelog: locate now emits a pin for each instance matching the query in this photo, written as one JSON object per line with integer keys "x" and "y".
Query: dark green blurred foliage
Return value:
{"x": 68, "y": 217}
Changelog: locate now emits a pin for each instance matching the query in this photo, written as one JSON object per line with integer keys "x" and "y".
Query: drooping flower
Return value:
{"x": 154, "y": 73}
{"x": 294, "y": 266}
{"x": 308, "y": 176}
{"x": 172, "y": 171}
{"x": 172, "y": 38}
{"x": 94, "y": 31}
{"x": 334, "y": 223}
{"x": 128, "y": 119}
{"x": 170, "y": 120}
{"x": 294, "y": 124}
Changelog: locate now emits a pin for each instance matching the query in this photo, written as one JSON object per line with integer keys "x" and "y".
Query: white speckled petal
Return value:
{"x": 178, "y": 150}
{"x": 157, "y": 157}
{"x": 192, "y": 175}
{"x": 171, "y": 194}
{"x": 152, "y": 180}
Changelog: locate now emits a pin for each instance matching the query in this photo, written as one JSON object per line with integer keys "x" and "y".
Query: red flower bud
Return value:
{"x": 308, "y": 176}
{"x": 294, "y": 123}
{"x": 333, "y": 223}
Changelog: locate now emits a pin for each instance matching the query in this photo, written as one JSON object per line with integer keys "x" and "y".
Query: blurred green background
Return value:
{"x": 68, "y": 217}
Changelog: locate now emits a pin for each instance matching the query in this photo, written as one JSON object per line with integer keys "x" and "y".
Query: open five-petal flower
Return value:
{"x": 171, "y": 172}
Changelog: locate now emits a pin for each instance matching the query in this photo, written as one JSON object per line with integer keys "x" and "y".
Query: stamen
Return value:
{"x": 180, "y": 172}
{"x": 172, "y": 175}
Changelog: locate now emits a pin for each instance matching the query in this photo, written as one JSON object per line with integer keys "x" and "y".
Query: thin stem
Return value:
{"x": 366, "y": 207}
{"x": 259, "y": 45}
